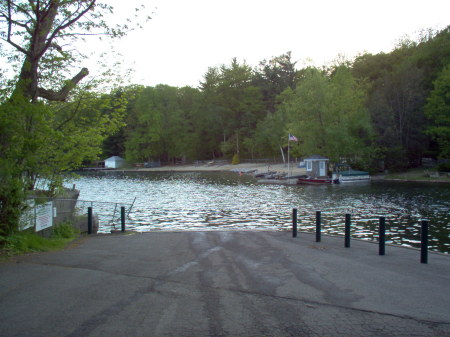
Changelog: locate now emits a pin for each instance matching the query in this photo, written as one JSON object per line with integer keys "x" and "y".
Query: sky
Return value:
{"x": 185, "y": 37}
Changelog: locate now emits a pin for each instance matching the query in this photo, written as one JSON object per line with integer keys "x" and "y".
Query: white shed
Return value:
{"x": 114, "y": 162}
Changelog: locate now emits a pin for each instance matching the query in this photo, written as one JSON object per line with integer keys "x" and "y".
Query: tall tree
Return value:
{"x": 328, "y": 115}
{"x": 437, "y": 110}
{"x": 36, "y": 32}
{"x": 160, "y": 125}
{"x": 399, "y": 85}
{"x": 230, "y": 94}
{"x": 274, "y": 76}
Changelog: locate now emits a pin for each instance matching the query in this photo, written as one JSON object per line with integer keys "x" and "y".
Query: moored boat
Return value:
{"x": 354, "y": 176}
{"x": 264, "y": 174}
{"x": 314, "y": 181}
{"x": 345, "y": 174}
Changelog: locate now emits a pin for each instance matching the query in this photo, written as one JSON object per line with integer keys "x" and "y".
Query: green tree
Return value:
{"x": 231, "y": 96}
{"x": 37, "y": 30}
{"x": 328, "y": 115}
{"x": 114, "y": 144}
{"x": 270, "y": 134}
{"x": 399, "y": 83}
{"x": 17, "y": 157}
{"x": 273, "y": 77}
{"x": 78, "y": 130}
{"x": 437, "y": 109}
{"x": 196, "y": 130}
{"x": 396, "y": 107}
{"x": 160, "y": 125}
{"x": 40, "y": 138}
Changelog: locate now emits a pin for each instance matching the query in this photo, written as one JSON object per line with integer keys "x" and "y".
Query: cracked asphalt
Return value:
{"x": 225, "y": 284}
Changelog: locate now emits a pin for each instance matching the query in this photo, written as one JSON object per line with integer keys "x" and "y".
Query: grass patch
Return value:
{"x": 417, "y": 174}
{"x": 28, "y": 241}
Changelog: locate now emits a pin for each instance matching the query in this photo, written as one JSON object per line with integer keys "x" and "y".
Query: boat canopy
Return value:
{"x": 350, "y": 173}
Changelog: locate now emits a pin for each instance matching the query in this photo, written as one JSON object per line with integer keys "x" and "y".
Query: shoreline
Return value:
{"x": 262, "y": 168}
{"x": 243, "y": 167}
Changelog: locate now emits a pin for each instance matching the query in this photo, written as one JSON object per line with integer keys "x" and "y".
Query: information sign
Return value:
{"x": 44, "y": 216}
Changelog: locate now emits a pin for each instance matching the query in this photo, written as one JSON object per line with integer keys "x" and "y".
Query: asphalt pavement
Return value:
{"x": 224, "y": 284}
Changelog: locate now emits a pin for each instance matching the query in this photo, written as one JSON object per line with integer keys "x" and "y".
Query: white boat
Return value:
{"x": 349, "y": 175}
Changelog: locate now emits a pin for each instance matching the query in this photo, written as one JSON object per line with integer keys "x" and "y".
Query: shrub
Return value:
{"x": 63, "y": 231}
{"x": 444, "y": 167}
{"x": 235, "y": 160}
{"x": 28, "y": 241}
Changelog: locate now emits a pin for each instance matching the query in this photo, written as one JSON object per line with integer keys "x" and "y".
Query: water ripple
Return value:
{"x": 226, "y": 201}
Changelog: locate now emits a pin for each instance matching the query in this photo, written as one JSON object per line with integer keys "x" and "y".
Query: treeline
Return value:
{"x": 383, "y": 111}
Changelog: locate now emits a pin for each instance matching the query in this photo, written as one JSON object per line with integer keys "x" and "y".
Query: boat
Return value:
{"x": 352, "y": 176}
{"x": 276, "y": 175}
{"x": 264, "y": 174}
{"x": 314, "y": 180}
{"x": 296, "y": 176}
{"x": 345, "y": 174}
{"x": 243, "y": 170}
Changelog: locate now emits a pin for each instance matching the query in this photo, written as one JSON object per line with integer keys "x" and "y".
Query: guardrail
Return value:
{"x": 381, "y": 233}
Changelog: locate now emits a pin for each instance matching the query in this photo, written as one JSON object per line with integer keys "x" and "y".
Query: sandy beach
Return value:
{"x": 221, "y": 167}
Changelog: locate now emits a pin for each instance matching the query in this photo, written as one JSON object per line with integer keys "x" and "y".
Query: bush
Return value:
{"x": 63, "y": 231}
{"x": 28, "y": 241}
{"x": 235, "y": 160}
{"x": 444, "y": 167}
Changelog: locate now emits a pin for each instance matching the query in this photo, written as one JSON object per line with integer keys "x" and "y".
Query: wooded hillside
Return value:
{"x": 383, "y": 110}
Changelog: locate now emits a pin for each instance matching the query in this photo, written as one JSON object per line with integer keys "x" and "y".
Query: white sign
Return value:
{"x": 26, "y": 219}
{"x": 27, "y": 216}
{"x": 44, "y": 216}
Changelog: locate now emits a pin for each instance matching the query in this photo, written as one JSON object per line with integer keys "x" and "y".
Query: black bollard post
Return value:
{"x": 89, "y": 220}
{"x": 347, "y": 230}
{"x": 382, "y": 236}
{"x": 424, "y": 242}
{"x": 294, "y": 222}
{"x": 318, "y": 225}
{"x": 122, "y": 218}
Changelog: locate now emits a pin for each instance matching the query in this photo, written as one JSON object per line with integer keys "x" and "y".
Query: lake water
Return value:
{"x": 226, "y": 201}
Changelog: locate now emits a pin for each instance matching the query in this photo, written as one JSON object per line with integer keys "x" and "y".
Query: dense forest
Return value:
{"x": 383, "y": 111}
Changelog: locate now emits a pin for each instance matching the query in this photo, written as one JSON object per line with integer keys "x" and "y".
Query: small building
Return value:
{"x": 317, "y": 166}
{"x": 114, "y": 162}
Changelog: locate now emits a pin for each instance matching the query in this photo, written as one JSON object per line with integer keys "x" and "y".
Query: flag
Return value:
{"x": 293, "y": 138}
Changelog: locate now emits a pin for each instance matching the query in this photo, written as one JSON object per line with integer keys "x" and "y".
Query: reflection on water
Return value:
{"x": 222, "y": 201}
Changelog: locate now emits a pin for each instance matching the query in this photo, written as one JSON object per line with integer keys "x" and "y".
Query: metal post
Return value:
{"x": 382, "y": 236}
{"x": 424, "y": 242}
{"x": 89, "y": 220}
{"x": 114, "y": 214}
{"x": 347, "y": 230}
{"x": 122, "y": 217}
{"x": 294, "y": 222}
{"x": 129, "y": 210}
{"x": 318, "y": 225}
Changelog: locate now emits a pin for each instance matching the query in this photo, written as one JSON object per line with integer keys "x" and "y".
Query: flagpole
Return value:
{"x": 289, "y": 162}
